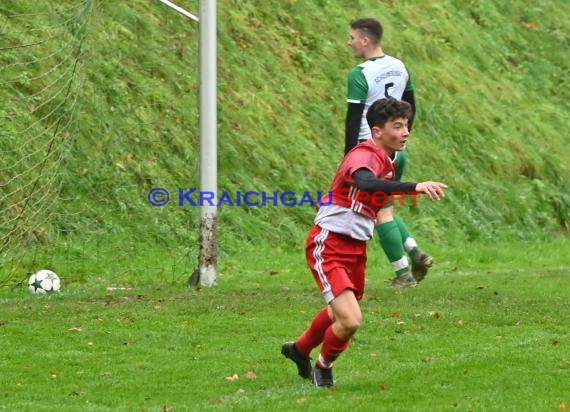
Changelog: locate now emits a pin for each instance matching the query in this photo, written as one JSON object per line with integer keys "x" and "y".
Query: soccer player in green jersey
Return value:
{"x": 379, "y": 76}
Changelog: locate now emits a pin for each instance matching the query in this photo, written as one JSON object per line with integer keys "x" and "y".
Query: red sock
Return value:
{"x": 315, "y": 333}
{"x": 333, "y": 346}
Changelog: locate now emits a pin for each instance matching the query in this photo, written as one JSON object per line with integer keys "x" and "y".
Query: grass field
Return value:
{"x": 487, "y": 331}
{"x": 99, "y": 104}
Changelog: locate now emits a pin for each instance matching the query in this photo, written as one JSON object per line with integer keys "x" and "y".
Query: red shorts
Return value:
{"x": 337, "y": 262}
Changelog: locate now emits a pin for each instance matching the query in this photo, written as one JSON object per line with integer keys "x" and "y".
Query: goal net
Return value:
{"x": 40, "y": 56}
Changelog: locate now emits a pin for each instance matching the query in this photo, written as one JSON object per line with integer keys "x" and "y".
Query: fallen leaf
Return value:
{"x": 382, "y": 387}
{"x": 531, "y": 25}
{"x": 273, "y": 273}
{"x": 460, "y": 322}
{"x": 555, "y": 342}
{"x": 250, "y": 375}
{"x": 300, "y": 400}
{"x": 434, "y": 314}
{"x": 232, "y": 378}
{"x": 396, "y": 314}
{"x": 562, "y": 406}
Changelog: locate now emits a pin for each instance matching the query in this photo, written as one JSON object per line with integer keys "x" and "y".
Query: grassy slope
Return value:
{"x": 493, "y": 115}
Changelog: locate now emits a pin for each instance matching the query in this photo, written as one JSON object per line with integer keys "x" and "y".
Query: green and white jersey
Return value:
{"x": 374, "y": 79}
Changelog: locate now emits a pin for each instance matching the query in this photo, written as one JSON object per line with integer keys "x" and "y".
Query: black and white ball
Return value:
{"x": 44, "y": 281}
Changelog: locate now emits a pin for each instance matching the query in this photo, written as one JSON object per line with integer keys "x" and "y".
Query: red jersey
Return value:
{"x": 369, "y": 156}
{"x": 345, "y": 209}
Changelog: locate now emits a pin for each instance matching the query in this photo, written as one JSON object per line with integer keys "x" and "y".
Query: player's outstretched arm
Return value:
{"x": 434, "y": 190}
{"x": 367, "y": 182}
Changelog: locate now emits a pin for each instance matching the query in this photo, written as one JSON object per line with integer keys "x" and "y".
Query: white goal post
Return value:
{"x": 205, "y": 275}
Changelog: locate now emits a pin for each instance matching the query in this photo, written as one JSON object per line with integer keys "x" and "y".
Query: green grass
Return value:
{"x": 486, "y": 331}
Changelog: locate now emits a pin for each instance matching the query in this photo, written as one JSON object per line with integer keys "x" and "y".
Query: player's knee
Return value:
{"x": 351, "y": 324}
{"x": 385, "y": 215}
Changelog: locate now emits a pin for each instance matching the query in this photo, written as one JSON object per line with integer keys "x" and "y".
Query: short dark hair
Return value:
{"x": 386, "y": 109}
{"x": 369, "y": 25}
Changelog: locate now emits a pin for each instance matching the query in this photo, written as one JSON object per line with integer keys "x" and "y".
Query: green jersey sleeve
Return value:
{"x": 357, "y": 86}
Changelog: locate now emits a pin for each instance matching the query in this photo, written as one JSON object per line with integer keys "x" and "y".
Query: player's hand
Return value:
{"x": 434, "y": 190}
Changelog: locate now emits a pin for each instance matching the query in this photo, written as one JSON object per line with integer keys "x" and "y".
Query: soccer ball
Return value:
{"x": 44, "y": 281}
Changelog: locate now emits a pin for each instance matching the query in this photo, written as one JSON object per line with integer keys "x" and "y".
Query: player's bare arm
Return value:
{"x": 434, "y": 190}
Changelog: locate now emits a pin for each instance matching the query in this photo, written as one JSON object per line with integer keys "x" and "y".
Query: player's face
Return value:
{"x": 393, "y": 137}
{"x": 357, "y": 42}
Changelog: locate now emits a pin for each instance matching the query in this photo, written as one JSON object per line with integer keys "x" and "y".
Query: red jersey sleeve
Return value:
{"x": 363, "y": 158}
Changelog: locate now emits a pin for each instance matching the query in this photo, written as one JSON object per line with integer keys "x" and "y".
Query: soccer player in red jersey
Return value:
{"x": 336, "y": 245}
